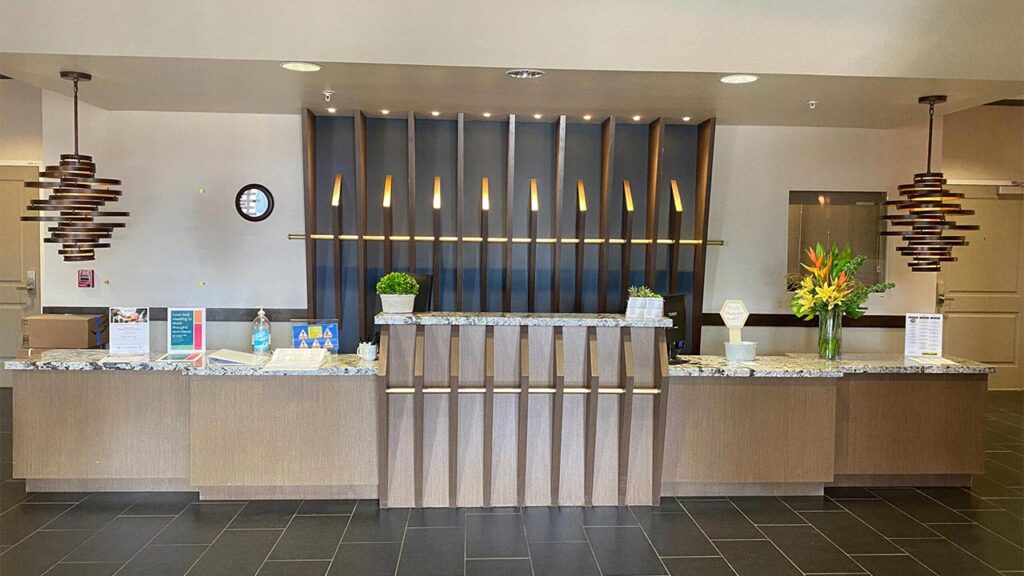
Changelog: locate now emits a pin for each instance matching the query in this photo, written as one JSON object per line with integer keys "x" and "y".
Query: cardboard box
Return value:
{"x": 70, "y": 331}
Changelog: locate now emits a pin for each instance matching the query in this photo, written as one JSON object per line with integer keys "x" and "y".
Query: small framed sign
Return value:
{"x": 254, "y": 202}
{"x": 186, "y": 330}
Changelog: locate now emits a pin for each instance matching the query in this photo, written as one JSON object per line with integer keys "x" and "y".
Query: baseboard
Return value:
{"x": 351, "y": 492}
{"x": 893, "y": 480}
{"x": 742, "y": 489}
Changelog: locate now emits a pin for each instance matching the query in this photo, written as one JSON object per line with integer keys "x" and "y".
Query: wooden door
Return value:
{"x": 980, "y": 296}
{"x": 19, "y": 260}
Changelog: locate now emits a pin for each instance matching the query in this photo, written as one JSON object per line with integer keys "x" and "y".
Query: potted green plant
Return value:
{"x": 397, "y": 292}
{"x": 644, "y": 303}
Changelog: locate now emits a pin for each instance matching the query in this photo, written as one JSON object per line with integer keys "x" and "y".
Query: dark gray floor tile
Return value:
{"x": 608, "y": 516}
{"x": 376, "y": 559}
{"x": 436, "y": 517}
{"x": 1003, "y": 475}
{"x": 6, "y": 446}
{"x": 40, "y": 551}
{"x": 58, "y": 497}
{"x": 766, "y": 510}
{"x": 698, "y": 567}
{"x": 1011, "y": 460}
{"x": 236, "y": 553}
{"x": 11, "y": 493}
{"x": 91, "y": 569}
{"x": 265, "y": 514}
{"x": 94, "y": 512}
{"x": 310, "y": 538}
{"x": 512, "y": 567}
{"x": 849, "y": 533}
{"x": 848, "y": 492}
{"x": 888, "y": 520}
{"x": 893, "y": 566}
{"x": 162, "y": 503}
{"x": 676, "y": 535}
{"x": 119, "y": 540}
{"x": 623, "y": 551}
{"x": 432, "y": 552}
{"x": 756, "y": 558}
{"x": 371, "y": 524}
{"x": 721, "y": 520}
{"x": 6, "y": 410}
{"x": 917, "y": 505}
{"x": 163, "y": 561}
{"x": 810, "y": 503}
{"x": 994, "y": 550}
{"x": 494, "y": 510}
{"x": 809, "y": 550}
{"x": 495, "y": 536}
{"x": 945, "y": 559}
{"x": 666, "y": 504}
{"x": 1001, "y": 522}
{"x": 327, "y": 506}
{"x": 555, "y": 524}
{"x": 957, "y": 498}
{"x": 25, "y": 518}
{"x": 1014, "y": 506}
{"x": 294, "y": 568}
{"x": 198, "y": 524}
{"x": 986, "y": 488}
{"x": 6, "y": 470}
{"x": 563, "y": 558}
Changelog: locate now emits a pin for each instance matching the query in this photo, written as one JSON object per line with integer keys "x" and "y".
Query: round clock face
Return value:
{"x": 254, "y": 202}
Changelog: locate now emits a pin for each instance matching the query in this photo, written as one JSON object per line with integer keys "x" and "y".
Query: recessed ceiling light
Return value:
{"x": 332, "y": 110}
{"x": 538, "y": 116}
{"x": 636, "y": 118}
{"x": 587, "y": 116}
{"x": 686, "y": 118}
{"x": 435, "y": 113}
{"x": 486, "y": 114}
{"x": 300, "y": 66}
{"x": 524, "y": 73}
{"x": 385, "y": 112}
{"x": 739, "y": 78}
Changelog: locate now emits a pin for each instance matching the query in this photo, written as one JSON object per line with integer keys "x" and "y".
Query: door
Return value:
{"x": 980, "y": 296}
{"x": 19, "y": 260}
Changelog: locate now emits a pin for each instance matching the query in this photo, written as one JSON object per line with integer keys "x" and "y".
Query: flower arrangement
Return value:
{"x": 830, "y": 291}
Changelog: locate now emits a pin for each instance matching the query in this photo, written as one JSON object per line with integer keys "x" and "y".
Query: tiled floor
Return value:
{"x": 891, "y": 532}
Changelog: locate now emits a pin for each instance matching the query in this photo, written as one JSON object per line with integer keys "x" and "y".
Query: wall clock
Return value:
{"x": 254, "y": 202}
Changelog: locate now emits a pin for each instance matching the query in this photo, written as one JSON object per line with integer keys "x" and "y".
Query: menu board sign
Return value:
{"x": 923, "y": 335}
{"x": 186, "y": 329}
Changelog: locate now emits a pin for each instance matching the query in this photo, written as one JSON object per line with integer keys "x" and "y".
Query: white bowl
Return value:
{"x": 741, "y": 351}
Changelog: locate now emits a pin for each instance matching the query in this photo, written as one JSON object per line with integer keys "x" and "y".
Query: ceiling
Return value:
{"x": 864, "y": 62}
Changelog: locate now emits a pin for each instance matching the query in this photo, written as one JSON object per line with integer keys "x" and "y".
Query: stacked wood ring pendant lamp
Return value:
{"x": 926, "y": 207}
{"x": 76, "y": 196}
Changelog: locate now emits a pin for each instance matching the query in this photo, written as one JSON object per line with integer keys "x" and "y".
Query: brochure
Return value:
{"x": 186, "y": 330}
{"x": 923, "y": 335}
{"x": 129, "y": 331}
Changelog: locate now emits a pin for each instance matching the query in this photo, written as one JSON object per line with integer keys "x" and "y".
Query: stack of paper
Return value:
{"x": 297, "y": 359}
{"x": 225, "y": 357}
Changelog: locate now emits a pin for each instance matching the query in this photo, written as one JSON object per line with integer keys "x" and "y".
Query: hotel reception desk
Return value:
{"x": 466, "y": 409}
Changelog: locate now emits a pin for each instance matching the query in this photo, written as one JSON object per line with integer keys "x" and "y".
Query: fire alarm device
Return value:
{"x": 86, "y": 278}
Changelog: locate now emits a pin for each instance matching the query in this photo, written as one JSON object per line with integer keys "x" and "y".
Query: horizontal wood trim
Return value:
{"x": 212, "y": 314}
{"x": 788, "y": 320}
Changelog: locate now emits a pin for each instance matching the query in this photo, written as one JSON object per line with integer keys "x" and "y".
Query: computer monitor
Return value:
{"x": 675, "y": 335}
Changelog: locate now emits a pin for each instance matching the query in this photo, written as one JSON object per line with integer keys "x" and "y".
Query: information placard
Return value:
{"x": 129, "y": 331}
{"x": 186, "y": 329}
{"x": 923, "y": 335}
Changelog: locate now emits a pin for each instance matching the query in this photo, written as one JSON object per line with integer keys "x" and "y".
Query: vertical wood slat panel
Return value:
{"x": 339, "y": 292}
{"x": 660, "y": 414}
{"x": 418, "y": 370}
{"x": 309, "y": 182}
{"x": 411, "y": 187}
{"x": 360, "y": 148}
{"x": 460, "y": 197}
{"x": 510, "y": 170}
{"x": 435, "y": 259}
{"x": 675, "y": 228}
{"x": 383, "y": 453}
{"x": 607, "y": 160}
{"x": 654, "y": 151}
{"x": 581, "y": 232}
{"x": 627, "y": 235}
{"x": 524, "y": 411}
{"x": 590, "y": 440}
{"x": 453, "y": 418}
{"x": 556, "y": 216}
{"x": 557, "y": 410}
{"x": 488, "y": 414}
{"x": 626, "y": 381}
{"x": 702, "y": 205}
{"x": 532, "y": 217}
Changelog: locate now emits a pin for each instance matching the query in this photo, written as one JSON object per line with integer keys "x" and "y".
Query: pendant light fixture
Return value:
{"x": 76, "y": 197}
{"x": 923, "y": 215}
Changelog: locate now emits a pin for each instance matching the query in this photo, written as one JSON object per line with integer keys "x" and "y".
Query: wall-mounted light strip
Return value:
{"x": 387, "y": 191}
{"x": 534, "y": 201}
{"x": 485, "y": 194}
{"x": 677, "y": 200}
{"x": 437, "y": 192}
{"x": 581, "y": 195}
{"x": 502, "y": 239}
{"x": 336, "y": 194}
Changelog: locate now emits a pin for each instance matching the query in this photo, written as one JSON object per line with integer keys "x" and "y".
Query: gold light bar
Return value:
{"x": 628, "y": 195}
{"x": 437, "y": 192}
{"x": 502, "y": 240}
{"x": 322, "y": 236}
{"x": 387, "y": 191}
{"x": 336, "y": 195}
{"x": 581, "y": 195}
{"x": 517, "y": 390}
{"x": 485, "y": 194}
{"x": 534, "y": 201}
{"x": 677, "y": 201}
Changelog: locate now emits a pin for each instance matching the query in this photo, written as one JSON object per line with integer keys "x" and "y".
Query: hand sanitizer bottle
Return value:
{"x": 261, "y": 333}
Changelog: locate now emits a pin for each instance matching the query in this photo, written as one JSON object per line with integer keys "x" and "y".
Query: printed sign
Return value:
{"x": 86, "y": 278}
{"x": 923, "y": 335}
{"x": 186, "y": 329}
{"x": 129, "y": 331}
{"x": 316, "y": 335}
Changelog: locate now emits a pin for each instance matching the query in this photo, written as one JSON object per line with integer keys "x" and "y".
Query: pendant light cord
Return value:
{"x": 931, "y": 120}
{"x": 76, "y": 120}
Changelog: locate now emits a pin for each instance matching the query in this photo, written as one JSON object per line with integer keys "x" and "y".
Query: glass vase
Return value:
{"x": 830, "y": 334}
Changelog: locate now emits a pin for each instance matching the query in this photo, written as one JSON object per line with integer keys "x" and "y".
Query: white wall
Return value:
{"x": 755, "y": 168}
{"x": 176, "y": 237}
{"x": 21, "y": 110}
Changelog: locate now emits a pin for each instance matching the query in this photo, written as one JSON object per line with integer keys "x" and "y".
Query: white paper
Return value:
{"x": 932, "y": 361}
{"x": 129, "y": 331}
{"x": 923, "y": 335}
{"x": 297, "y": 359}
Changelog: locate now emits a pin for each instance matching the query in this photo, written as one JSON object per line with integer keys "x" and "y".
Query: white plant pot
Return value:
{"x": 397, "y": 303}
{"x": 740, "y": 351}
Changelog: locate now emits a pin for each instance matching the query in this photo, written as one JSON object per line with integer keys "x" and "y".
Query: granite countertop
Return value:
{"x": 520, "y": 319}
{"x": 898, "y": 364}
